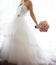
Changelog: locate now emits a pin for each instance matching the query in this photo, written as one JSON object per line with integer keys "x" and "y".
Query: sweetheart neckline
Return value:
{"x": 24, "y": 6}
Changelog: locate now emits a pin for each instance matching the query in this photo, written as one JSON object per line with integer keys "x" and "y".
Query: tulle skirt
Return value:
{"x": 19, "y": 45}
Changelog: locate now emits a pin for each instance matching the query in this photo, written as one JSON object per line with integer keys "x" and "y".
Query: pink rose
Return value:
{"x": 43, "y": 26}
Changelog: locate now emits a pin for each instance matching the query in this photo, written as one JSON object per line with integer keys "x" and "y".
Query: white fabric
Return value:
{"x": 19, "y": 45}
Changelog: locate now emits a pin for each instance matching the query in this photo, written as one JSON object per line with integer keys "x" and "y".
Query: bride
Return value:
{"x": 19, "y": 45}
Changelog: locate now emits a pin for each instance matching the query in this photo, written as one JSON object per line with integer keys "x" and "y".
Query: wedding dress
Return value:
{"x": 19, "y": 45}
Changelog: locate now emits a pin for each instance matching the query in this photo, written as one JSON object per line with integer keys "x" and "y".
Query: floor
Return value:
{"x": 6, "y": 63}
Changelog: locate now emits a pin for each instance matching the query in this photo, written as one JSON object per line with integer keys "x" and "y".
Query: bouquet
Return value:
{"x": 43, "y": 26}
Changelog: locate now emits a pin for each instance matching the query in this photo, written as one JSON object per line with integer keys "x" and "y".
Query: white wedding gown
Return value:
{"x": 19, "y": 45}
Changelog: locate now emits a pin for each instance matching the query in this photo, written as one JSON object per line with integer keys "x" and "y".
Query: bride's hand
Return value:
{"x": 37, "y": 26}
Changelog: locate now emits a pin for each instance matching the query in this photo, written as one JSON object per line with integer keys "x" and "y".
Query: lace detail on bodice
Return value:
{"x": 21, "y": 10}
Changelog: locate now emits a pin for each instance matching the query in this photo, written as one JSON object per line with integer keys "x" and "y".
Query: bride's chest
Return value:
{"x": 22, "y": 10}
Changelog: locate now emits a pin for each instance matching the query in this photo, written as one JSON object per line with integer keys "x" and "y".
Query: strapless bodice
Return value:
{"x": 21, "y": 10}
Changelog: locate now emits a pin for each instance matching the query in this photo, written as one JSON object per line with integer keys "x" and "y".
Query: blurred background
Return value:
{"x": 44, "y": 10}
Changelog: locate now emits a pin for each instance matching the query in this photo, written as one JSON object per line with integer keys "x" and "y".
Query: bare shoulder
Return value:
{"x": 30, "y": 5}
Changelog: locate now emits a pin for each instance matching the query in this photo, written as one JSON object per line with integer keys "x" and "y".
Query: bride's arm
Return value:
{"x": 32, "y": 13}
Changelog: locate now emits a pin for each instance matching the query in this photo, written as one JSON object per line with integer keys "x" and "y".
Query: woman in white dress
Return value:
{"x": 19, "y": 45}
